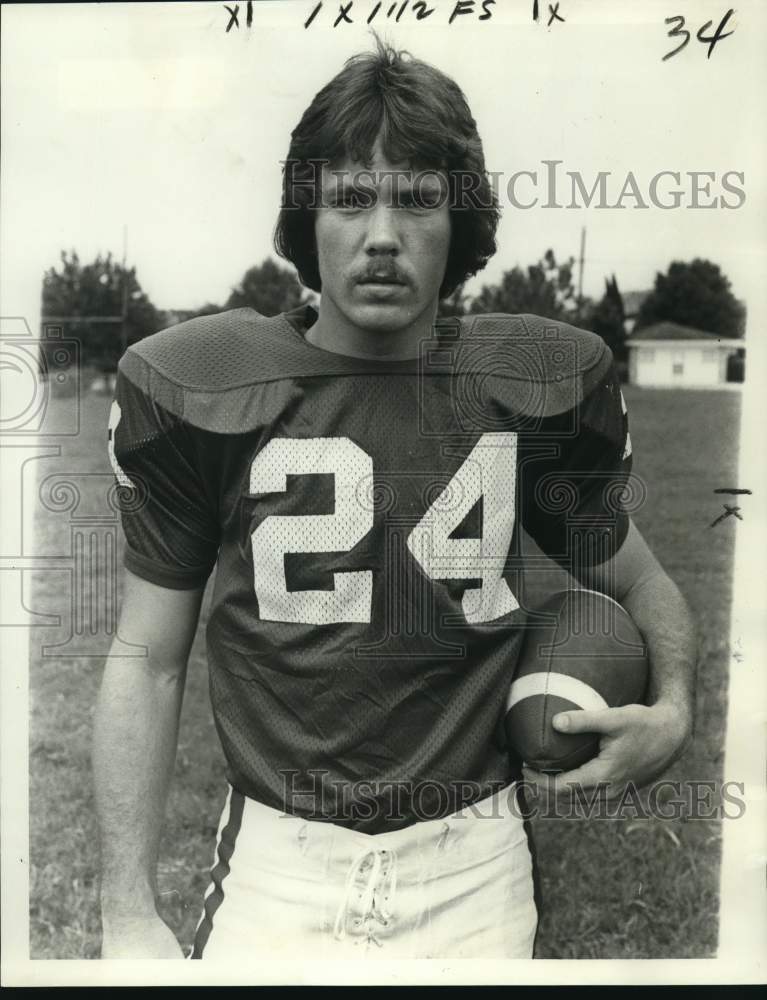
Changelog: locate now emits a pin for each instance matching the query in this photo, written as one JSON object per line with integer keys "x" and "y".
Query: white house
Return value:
{"x": 667, "y": 354}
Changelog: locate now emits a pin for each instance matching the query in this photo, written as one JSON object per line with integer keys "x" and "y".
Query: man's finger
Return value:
{"x": 582, "y": 720}
{"x": 589, "y": 775}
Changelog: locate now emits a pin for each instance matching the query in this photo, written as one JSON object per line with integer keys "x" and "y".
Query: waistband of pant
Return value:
{"x": 493, "y": 815}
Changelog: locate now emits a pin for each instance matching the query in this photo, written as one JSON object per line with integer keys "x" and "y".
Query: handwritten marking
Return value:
{"x": 553, "y": 9}
{"x": 680, "y": 31}
{"x": 419, "y": 10}
{"x": 343, "y": 14}
{"x": 717, "y": 36}
{"x": 313, "y": 14}
{"x": 422, "y": 10}
{"x": 461, "y": 7}
{"x": 729, "y": 511}
{"x": 677, "y": 30}
{"x": 233, "y": 17}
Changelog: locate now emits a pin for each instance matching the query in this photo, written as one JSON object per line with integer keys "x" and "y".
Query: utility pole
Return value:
{"x": 581, "y": 261}
{"x": 123, "y": 326}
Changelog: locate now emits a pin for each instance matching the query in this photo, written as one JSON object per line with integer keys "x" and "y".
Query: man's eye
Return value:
{"x": 353, "y": 200}
{"x": 430, "y": 199}
{"x": 418, "y": 199}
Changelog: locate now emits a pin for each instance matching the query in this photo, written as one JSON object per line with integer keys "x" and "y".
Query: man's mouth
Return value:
{"x": 380, "y": 279}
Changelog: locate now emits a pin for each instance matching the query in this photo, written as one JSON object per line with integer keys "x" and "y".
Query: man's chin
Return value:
{"x": 383, "y": 317}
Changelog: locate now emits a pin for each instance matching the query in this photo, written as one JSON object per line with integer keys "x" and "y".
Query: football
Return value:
{"x": 582, "y": 651}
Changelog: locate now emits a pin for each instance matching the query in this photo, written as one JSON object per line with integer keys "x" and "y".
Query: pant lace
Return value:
{"x": 371, "y": 884}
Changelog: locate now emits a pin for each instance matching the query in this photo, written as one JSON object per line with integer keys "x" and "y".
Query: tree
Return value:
{"x": 607, "y": 319}
{"x": 546, "y": 289}
{"x": 209, "y": 309}
{"x": 104, "y": 291}
{"x": 268, "y": 288}
{"x": 697, "y": 294}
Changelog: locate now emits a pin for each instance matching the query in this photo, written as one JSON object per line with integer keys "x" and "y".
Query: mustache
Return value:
{"x": 381, "y": 271}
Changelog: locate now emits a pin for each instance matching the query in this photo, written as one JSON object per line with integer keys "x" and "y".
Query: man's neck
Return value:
{"x": 332, "y": 332}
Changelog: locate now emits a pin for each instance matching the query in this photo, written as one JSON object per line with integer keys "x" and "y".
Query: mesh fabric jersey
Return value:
{"x": 363, "y": 518}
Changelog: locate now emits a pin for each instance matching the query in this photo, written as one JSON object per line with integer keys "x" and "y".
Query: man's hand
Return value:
{"x": 638, "y": 743}
{"x": 139, "y": 937}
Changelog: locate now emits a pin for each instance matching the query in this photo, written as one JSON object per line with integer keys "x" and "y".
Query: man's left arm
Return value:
{"x": 640, "y": 741}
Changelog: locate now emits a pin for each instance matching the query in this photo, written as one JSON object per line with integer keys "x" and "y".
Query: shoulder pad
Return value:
{"x": 206, "y": 353}
{"x": 502, "y": 332}
{"x": 540, "y": 365}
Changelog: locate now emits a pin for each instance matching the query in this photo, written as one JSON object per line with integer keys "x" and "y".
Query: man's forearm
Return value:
{"x": 636, "y": 579}
{"x": 662, "y": 616}
{"x": 135, "y": 737}
{"x": 638, "y": 742}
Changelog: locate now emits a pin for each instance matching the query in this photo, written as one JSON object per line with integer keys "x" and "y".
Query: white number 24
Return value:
{"x": 488, "y": 472}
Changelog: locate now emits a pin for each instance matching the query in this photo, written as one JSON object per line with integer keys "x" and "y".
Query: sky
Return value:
{"x": 152, "y": 119}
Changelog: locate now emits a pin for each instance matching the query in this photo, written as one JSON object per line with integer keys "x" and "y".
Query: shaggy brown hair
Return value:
{"x": 423, "y": 119}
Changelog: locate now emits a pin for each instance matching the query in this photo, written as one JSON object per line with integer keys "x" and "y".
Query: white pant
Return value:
{"x": 459, "y": 887}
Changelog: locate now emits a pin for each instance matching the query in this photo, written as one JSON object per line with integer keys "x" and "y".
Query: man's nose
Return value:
{"x": 382, "y": 235}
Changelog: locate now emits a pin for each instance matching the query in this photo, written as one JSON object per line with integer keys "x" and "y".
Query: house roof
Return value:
{"x": 672, "y": 331}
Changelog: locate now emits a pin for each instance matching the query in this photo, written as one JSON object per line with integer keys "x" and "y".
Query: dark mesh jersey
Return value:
{"x": 364, "y": 519}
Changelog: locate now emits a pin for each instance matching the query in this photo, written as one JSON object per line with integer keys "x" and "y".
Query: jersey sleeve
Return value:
{"x": 576, "y": 492}
{"x": 168, "y": 515}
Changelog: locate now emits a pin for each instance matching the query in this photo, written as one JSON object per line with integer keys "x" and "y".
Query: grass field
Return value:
{"x": 611, "y": 889}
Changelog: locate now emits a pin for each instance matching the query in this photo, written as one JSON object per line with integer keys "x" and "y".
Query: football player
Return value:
{"x": 376, "y": 490}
